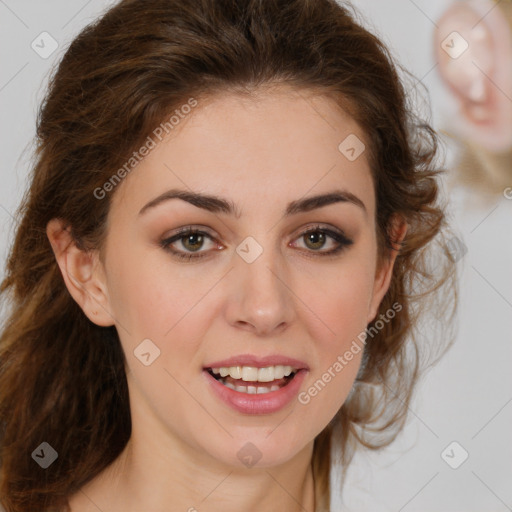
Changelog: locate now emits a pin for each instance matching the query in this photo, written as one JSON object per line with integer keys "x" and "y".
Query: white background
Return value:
{"x": 465, "y": 398}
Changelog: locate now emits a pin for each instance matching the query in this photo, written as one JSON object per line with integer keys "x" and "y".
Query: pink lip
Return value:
{"x": 258, "y": 362}
{"x": 264, "y": 403}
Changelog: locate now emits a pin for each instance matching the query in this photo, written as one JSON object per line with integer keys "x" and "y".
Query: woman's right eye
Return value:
{"x": 191, "y": 240}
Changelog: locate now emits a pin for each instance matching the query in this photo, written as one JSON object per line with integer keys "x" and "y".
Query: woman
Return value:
{"x": 220, "y": 264}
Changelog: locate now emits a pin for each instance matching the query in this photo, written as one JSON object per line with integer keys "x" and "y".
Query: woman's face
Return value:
{"x": 251, "y": 287}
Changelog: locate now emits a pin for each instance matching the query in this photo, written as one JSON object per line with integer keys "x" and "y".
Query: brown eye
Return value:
{"x": 315, "y": 240}
{"x": 188, "y": 241}
{"x": 193, "y": 241}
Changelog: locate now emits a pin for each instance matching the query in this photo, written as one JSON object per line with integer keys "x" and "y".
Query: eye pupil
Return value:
{"x": 190, "y": 238}
{"x": 317, "y": 238}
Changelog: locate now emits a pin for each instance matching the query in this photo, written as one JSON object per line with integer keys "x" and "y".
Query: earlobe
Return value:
{"x": 384, "y": 271}
{"x": 82, "y": 274}
{"x": 473, "y": 42}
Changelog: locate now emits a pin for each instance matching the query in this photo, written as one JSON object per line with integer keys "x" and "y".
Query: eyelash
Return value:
{"x": 342, "y": 240}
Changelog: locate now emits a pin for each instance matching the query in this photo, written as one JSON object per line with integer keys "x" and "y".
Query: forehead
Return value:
{"x": 278, "y": 142}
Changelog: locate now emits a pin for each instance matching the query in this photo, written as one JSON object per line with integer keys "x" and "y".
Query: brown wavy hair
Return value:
{"x": 63, "y": 378}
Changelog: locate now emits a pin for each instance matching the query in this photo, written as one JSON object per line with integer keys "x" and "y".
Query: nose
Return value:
{"x": 260, "y": 298}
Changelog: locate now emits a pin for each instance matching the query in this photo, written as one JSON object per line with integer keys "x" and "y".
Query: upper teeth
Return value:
{"x": 251, "y": 373}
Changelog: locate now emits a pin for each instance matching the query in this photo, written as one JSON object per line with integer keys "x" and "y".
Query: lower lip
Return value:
{"x": 264, "y": 403}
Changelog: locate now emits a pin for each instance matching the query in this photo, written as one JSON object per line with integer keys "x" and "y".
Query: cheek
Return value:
{"x": 342, "y": 304}
{"x": 149, "y": 295}
{"x": 341, "y": 298}
{"x": 152, "y": 300}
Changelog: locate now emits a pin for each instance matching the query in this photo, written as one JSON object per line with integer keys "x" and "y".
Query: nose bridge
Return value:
{"x": 259, "y": 266}
{"x": 261, "y": 297}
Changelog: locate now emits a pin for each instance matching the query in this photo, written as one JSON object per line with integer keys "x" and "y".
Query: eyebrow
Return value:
{"x": 216, "y": 204}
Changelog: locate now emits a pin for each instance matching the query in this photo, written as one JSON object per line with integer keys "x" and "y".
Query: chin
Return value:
{"x": 262, "y": 447}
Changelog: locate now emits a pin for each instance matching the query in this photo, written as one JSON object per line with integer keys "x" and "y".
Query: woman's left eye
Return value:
{"x": 192, "y": 241}
{"x": 316, "y": 238}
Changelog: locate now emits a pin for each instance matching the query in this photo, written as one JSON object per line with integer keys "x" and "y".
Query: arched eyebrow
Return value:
{"x": 216, "y": 204}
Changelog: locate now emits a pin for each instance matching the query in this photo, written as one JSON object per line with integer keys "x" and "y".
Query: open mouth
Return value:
{"x": 252, "y": 387}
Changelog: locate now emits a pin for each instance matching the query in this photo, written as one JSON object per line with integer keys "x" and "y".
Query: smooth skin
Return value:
{"x": 260, "y": 154}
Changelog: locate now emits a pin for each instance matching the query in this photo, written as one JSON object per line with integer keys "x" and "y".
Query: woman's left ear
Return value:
{"x": 384, "y": 271}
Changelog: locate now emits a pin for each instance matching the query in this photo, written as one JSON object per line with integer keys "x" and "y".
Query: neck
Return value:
{"x": 194, "y": 484}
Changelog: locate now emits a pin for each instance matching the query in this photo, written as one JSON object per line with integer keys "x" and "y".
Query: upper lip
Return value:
{"x": 258, "y": 362}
